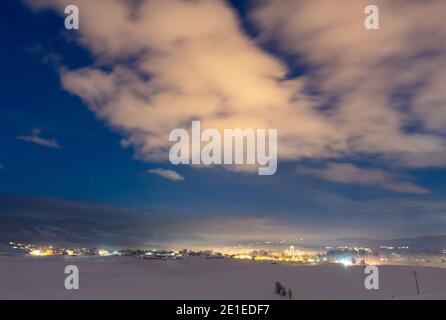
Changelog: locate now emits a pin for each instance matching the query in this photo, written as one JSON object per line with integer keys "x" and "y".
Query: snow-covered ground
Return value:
{"x": 197, "y": 278}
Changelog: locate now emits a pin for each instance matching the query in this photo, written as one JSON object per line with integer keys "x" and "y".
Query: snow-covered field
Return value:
{"x": 197, "y": 278}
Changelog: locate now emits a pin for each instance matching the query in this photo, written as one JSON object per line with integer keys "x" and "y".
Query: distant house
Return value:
{"x": 160, "y": 255}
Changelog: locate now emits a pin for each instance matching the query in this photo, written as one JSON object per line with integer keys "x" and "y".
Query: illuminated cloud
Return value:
{"x": 168, "y": 174}
{"x": 383, "y": 89}
{"x": 350, "y": 174}
{"x": 160, "y": 64}
{"x": 189, "y": 60}
{"x": 35, "y": 137}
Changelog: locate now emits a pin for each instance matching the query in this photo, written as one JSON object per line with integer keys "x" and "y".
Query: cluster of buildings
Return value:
{"x": 418, "y": 257}
{"x": 46, "y": 251}
{"x": 169, "y": 254}
{"x": 347, "y": 256}
{"x": 287, "y": 255}
{"x": 350, "y": 256}
{"x": 385, "y": 255}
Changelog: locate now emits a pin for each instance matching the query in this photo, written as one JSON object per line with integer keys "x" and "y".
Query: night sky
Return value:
{"x": 85, "y": 116}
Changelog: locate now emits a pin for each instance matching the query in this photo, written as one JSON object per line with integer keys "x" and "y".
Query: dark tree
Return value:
{"x": 283, "y": 292}
{"x": 278, "y": 288}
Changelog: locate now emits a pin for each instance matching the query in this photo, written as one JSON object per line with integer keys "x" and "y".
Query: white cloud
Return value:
{"x": 382, "y": 82}
{"x": 191, "y": 60}
{"x": 168, "y": 174}
{"x": 350, "y": 174}
{"x": 35, "y": 137}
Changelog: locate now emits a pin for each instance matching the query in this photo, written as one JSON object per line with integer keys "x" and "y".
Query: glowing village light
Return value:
{"x": 41, "y": 253}
{"x": 346, "y": 262}
{"x": 104, "y": 252}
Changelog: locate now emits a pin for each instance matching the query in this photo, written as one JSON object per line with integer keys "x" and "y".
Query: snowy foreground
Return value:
{"x": 197, "y": 278}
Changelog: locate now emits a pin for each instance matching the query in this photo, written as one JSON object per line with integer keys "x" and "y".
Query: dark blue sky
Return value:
{"x": 91, "y": 166}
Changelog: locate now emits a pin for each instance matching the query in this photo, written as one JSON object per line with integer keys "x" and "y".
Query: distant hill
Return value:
{"x": 418, "y": 243}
